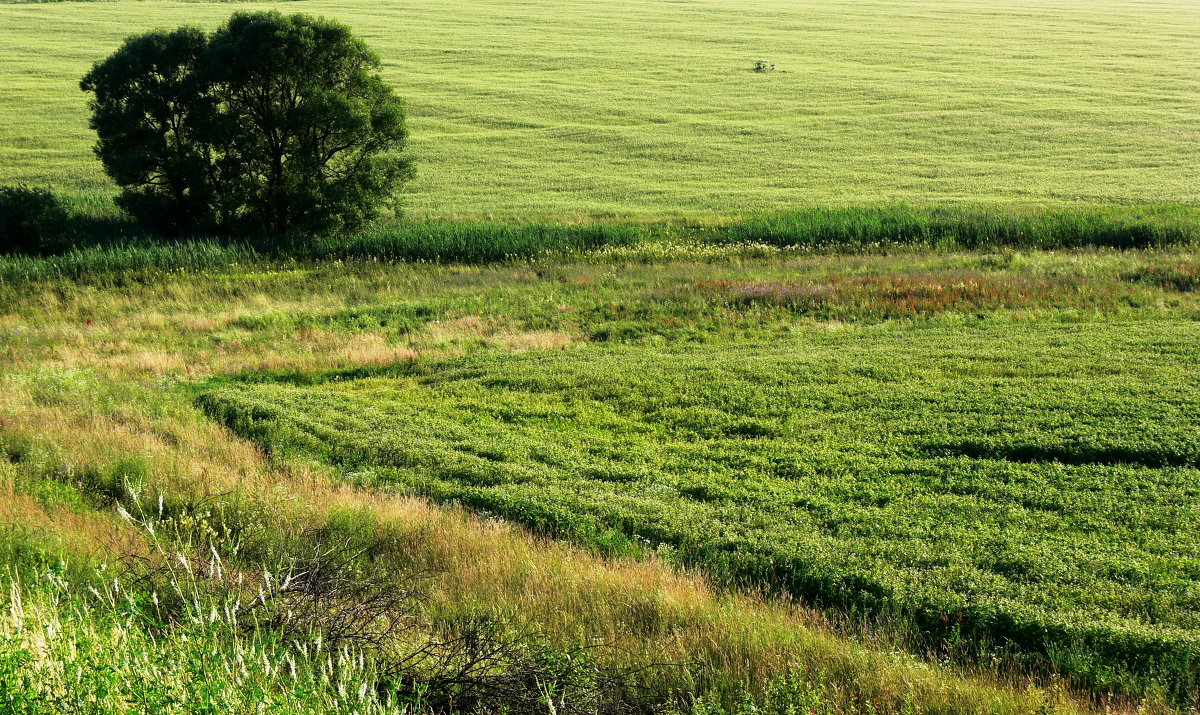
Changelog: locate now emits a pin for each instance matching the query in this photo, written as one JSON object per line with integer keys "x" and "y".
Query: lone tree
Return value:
{"x": 272, "y": 124}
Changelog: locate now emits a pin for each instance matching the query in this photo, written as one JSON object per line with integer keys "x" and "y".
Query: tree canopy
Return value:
{"x": 272, "y": 124}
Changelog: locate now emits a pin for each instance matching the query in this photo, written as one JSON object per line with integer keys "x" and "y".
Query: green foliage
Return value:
{"x": 274, "y": 124}
{"x": 1025, "y": 489}
{"x": 154, "y": 118}
{"x": 32, "y": 221}
{"x": 310, "y": 129}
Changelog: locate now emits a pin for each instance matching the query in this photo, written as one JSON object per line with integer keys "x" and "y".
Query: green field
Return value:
{"x": 633, "y": 108}
{"x": 1034, "y": 484}
{"x": 866, "y": 385}
{"x": 981, "y": 467}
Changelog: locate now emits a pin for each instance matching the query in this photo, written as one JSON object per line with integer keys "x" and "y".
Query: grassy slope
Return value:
{"x": 1032, "y": 484}
{"x": 531, "y": 108}
{"x": 91, "y": 414}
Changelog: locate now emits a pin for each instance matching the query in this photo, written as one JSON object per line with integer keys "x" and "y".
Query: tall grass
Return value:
{"x": 120, "y": 251}
{"x": 465, "y": 242}
{"x": 65, "y": 649}
{"x": 973, "y": 227}
{"x": 117, "y": 252}
{"x": 126, "y": 260}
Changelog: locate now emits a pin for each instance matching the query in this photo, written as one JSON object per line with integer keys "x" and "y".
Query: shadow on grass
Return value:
{"x": 1072, "y": 454}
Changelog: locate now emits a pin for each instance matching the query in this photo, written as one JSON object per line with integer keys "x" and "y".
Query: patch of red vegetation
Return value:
{"x": 1181, "y": 277}
{"x": 897, "y": 295}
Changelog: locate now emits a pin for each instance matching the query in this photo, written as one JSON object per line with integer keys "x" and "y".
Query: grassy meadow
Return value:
{"x": 865, "y": 385}
{"x": 531, "y": 109}
{"x": 878, "y": 471}
{"x": 957, "y": 482}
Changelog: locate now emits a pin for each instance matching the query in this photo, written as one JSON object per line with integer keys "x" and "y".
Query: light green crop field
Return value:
{"x": 650, "y": 107}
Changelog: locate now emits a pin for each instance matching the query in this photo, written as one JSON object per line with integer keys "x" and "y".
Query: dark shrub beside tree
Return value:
{"x": 32, "y": 221}
{"x": 274, "y": 124}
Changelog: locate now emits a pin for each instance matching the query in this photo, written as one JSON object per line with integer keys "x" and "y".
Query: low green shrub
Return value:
{"x": 32, "y": 221}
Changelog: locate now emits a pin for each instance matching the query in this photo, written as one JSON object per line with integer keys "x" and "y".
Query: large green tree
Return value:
{"x": 272, "y": 124}
{"x": 152, "y": 115}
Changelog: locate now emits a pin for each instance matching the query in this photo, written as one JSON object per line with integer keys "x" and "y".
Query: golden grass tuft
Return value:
{"x": 534, "y": 340}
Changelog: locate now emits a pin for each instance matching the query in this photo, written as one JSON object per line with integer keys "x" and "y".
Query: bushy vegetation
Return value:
{"x": 32, "y": 221}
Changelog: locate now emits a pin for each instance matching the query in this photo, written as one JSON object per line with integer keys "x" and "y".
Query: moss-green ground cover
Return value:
{"x": 632, "y": 107}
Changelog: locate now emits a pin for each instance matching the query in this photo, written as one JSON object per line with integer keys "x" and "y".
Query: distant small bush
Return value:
{"x": 32, "y": 221}
{"x": 764, "y": 66}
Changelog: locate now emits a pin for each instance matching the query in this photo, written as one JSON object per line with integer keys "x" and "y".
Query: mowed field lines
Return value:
{"x": 636, "y": 107}
{"x": 1032, "y": 486}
